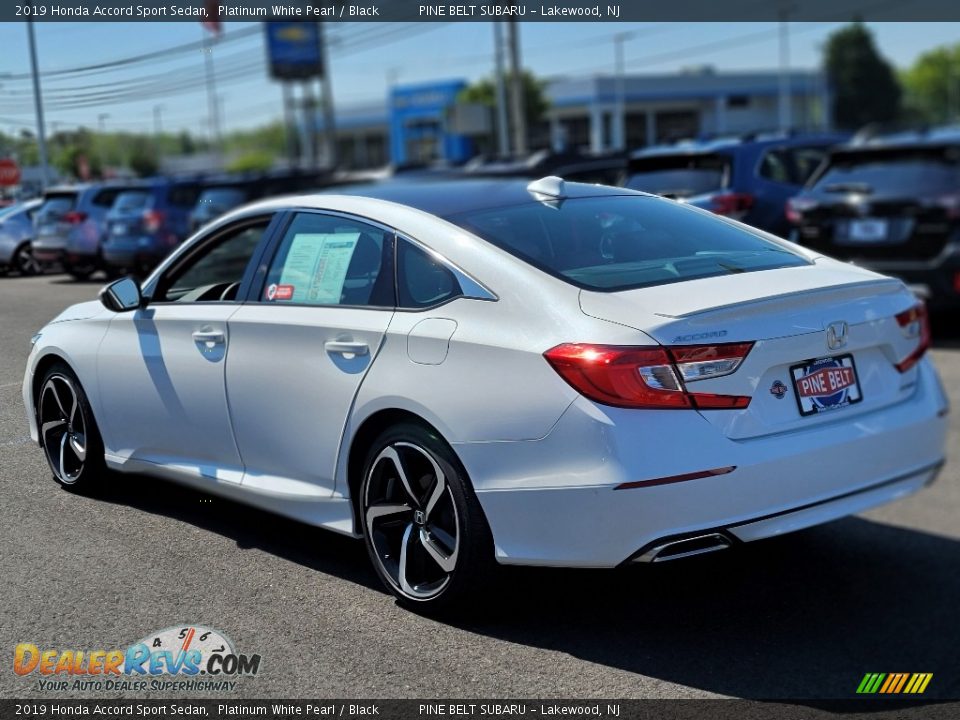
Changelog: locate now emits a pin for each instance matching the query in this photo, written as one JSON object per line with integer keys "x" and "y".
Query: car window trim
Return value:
{"x": 272, "y": 219}
{"x": 471, "y": 287}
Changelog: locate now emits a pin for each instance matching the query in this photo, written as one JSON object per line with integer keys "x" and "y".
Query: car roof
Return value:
{"x": 445, "y": 199}
{"x": 907, "y": 139}
{"x": 733, "y": 143}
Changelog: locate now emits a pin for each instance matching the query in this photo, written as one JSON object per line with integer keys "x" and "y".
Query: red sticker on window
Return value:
{"x": 279, "y": 292}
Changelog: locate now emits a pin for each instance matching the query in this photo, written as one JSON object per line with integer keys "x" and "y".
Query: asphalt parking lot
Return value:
{"x": 803, "y": 616}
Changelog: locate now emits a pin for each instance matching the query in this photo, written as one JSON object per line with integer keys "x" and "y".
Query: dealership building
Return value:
{"x": 420, "y": 123}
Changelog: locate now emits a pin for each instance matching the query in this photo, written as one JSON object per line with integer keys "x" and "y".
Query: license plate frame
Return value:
{"x": 868, "y": 230}
{"x": 823, "y": 375}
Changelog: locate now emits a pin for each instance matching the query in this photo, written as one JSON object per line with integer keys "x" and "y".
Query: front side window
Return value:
{"x": 623, "y": 242}
{"x": 214, "y": 272}
{"x": 332, "y": 260}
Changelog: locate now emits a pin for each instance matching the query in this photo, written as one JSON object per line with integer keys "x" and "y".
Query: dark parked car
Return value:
{"x": 16, "y": 235}
{"x": 69, "y": 227}
{"x": 147, "y": 221}
{"x": 225, "y": 192}
{"x": 749, "y": 178}
{"x": 218, "y": 198}
{"x": 893, "y": 204}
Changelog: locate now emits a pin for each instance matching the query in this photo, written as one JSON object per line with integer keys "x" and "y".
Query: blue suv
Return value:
{"x": 147, "y": 221}
{"x": 746, "y": 178}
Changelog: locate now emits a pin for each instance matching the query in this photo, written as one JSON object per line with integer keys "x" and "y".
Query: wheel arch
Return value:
{"x": 360, "y": 442}
{"x": 39, "y": 371}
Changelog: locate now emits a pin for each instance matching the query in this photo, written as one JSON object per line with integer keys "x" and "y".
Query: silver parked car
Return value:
{"x": 16, "y": 237}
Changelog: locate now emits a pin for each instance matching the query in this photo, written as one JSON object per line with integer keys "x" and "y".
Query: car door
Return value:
{"x": 161, "y": 368}
{"x": 302, "y": 346}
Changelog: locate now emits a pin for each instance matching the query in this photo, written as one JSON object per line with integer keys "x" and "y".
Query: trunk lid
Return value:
{"x": 787, "y": 314}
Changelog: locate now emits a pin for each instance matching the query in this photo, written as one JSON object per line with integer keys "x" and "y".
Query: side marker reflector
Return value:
{"x": 675, "y": 478}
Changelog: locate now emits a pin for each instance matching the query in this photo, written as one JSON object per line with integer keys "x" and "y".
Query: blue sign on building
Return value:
{"x": 293, "y": 49}
{"x": 418, "y": 124}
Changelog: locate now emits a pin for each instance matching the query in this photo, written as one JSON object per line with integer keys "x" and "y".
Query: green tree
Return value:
{"x": 253, "y": 160}
{"x": 932, "y": 85}
{"x": 865, "y": 87}
{"x": 143, "y": 160}
{"x": 484, "y": 92}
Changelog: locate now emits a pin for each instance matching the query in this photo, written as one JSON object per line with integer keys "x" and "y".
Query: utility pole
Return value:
{"x": 212, "y": 103}
{"x": 620, "y": 116}
{"x": 38, "y": 103}
{"x": 101, "y": 129}
{"x": 289, "y": 122}
{"x": 516, "y": 90}
{"x": 157, "y": 122}
{"x": 785, "y": 100}
{"x": 503, "y": 125}
{"x": 329, "y": 127}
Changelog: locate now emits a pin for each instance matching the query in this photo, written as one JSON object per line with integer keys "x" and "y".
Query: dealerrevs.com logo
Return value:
{"x": 185, "y": 657}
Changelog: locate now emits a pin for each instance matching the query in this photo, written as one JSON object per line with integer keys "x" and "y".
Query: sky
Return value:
{"x": 365, "y": 59}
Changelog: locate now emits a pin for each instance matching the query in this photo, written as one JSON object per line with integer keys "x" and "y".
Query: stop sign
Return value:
{"x": 9, "y": 173}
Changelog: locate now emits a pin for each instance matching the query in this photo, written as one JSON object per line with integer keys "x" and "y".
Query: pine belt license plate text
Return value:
{"x": 826, "y": 384}
{"x": 868, "y": 230}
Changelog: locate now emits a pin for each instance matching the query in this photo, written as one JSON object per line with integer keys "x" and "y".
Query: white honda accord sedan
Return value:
{"x": 484, "y": 372}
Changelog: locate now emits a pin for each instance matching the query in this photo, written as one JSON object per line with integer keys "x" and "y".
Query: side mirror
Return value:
{"x": 122, "y": 295}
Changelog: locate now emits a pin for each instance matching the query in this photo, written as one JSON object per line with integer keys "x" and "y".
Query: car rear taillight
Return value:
{"x": 915, "y": 323}
{"x": 74, "y": 217}
{"x": 951, "y": 204}
{"x": 796, "y": 207}
{"x": 734, "y": 205}
{"x": 648, "y": 377}
{"x": 152, "y": 220}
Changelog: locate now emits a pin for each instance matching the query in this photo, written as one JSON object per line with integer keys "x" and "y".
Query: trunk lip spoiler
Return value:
{"x": 890, "y": 286}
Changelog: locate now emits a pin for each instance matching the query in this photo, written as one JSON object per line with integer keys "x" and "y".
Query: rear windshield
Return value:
{"x": 55, "y": 206}
{"x": 910, "y": 172}
{"x": 623, "y": 242}
{"x": 679, "y": 176}
{"x": 132, "y": 200}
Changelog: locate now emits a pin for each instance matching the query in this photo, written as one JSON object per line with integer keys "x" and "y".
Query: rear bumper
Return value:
{"x": 553, "y": 502}
{"x": 132, "y": 252}
{"x": 48, "y": 257}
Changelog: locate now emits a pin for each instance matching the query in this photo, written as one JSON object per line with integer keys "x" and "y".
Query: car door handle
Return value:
{"x": 346, "y": 348}
{"x": 213, "y": 336}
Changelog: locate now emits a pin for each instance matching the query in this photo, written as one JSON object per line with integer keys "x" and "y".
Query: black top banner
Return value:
{"x": 212, "y": 11}
{"x": 446, "y": 709}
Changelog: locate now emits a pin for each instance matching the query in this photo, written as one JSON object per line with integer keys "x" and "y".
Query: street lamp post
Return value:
{"x": 620, "y": 119}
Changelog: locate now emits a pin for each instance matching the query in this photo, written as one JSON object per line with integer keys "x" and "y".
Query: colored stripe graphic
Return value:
{"x": 894, "y": 683}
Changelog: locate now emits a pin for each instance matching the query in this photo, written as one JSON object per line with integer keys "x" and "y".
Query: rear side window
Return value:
{"x": 910, "y": 172}
{"x": 331, "y": 260}
{"x": 792, "y": 166}
{"x": 680, "y": 176}
{"x": 623, "y": 242}
{"x": 422, "y": 279}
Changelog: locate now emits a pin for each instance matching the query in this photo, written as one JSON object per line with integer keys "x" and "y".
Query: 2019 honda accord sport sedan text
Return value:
{"x": 480, "y": 372}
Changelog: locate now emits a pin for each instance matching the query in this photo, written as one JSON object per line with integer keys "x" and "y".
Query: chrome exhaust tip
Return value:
{"x": 684, "y": 548}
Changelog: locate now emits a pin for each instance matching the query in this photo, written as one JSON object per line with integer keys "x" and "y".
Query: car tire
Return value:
{"x": 424, "y": 528}
{"x": 23, "y": 261}
{"x": 80, "y": 273}
{"x": 68, "y": 431}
